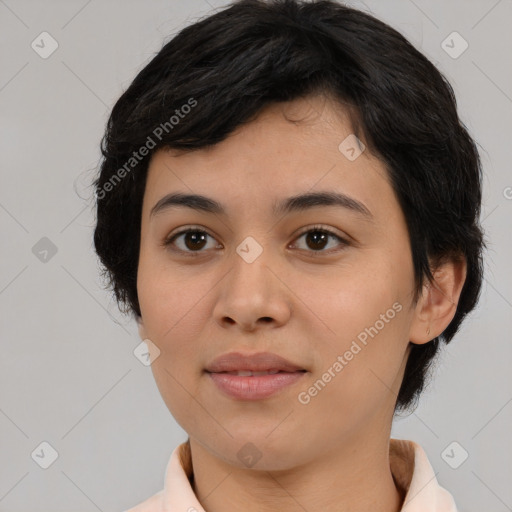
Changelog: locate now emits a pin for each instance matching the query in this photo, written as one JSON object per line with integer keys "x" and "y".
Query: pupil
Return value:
{"x": 314, "y": 235}
{"x": 195, "y": 236}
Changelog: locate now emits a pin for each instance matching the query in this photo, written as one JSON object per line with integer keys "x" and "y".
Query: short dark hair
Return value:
{"x": 222, "y": 70}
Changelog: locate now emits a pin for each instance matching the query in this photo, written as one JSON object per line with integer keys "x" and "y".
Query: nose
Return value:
{"x": 253, "y": 295}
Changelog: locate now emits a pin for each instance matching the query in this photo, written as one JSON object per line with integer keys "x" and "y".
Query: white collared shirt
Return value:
{"x": 409, "y": 465}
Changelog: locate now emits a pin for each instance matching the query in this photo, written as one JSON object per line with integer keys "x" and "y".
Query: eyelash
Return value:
{"x": 169, "y": 240}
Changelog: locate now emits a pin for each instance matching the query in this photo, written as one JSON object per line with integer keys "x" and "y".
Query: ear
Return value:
{"x": 142, "y": 330}
{"x": 438, "y": 302}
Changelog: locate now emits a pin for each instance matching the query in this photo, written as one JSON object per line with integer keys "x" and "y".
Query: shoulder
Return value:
{"x": 152, "y": 504}
{"x": 175, "y": 482}
{"x": 415, "y": 477}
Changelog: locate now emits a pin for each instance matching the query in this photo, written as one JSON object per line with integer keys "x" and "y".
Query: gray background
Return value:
{"x": 68, "y": 375}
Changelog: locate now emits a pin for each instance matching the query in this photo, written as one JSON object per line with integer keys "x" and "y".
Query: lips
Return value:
{"x": 237, "y": 363}
{"x": 249, "y": 373}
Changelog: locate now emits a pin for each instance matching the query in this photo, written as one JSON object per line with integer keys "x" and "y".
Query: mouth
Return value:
{"x": 249, "y": 373}
{"x": 246, "y": 385}
{"x": 255, "y": 363}
{"x": 256, "y": 376}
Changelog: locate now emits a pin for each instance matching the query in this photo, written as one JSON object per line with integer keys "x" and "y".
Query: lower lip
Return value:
{"x": 254, "y": 387}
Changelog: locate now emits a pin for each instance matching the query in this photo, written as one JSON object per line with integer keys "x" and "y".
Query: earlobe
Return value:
{"x": 438, "y": 303}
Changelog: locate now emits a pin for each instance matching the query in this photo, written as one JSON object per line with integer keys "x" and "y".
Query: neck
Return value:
{"x": 346, "y": 478}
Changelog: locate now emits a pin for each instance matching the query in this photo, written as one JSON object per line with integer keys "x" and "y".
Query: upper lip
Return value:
{"x": 259, "y": 362}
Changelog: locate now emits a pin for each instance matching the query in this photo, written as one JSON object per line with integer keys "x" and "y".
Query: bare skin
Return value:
{"x": 300, "y": 299}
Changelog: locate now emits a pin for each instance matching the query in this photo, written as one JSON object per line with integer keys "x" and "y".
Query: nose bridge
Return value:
{"x": 251, "y": 291}
{"x": 250, "y": 275}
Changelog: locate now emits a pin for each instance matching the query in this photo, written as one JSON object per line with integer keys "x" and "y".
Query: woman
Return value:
{"x": 288, "y": 204}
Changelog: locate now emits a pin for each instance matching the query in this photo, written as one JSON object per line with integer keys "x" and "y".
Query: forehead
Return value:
{"x": 288, "y": 149}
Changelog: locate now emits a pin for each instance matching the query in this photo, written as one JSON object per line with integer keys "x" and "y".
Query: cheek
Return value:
{"x": 359, "y": 374}
{"x": 167, "y": 294}
{"x": 367, "y": 318}
{"x": 171, "y": 309}
{"x": 172, "y": 312}
{"x": 353, "y": 298}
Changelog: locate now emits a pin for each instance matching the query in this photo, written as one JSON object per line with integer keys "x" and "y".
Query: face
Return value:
{"x": 326, "y": 286}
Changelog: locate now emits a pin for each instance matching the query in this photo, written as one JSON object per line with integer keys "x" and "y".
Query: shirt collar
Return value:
{"x": 409, "y": 464}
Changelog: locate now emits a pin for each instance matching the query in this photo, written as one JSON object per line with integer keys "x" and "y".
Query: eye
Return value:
{"x": 194, "y": 240}
{"x": 317, "y": 238}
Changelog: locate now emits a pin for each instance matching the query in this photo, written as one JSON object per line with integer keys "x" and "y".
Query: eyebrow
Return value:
{"x": 296, "y": 203}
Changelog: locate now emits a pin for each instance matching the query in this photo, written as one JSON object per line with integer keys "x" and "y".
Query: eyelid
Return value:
{"x": 191, "y": 227}
{"x": 326, "y": 229}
